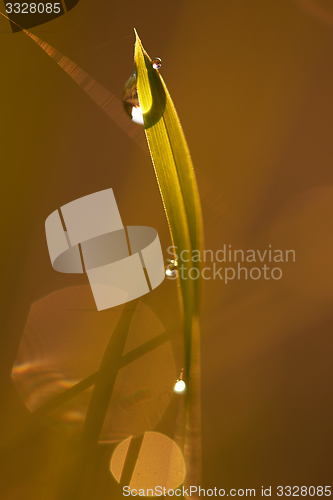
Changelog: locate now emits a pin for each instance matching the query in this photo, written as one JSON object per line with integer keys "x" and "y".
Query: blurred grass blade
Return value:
{"x": 179, "y": 192}
{"x": 104, "y": 99}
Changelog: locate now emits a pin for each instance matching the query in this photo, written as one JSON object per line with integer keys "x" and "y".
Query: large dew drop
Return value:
{"x": 131, "y": 100}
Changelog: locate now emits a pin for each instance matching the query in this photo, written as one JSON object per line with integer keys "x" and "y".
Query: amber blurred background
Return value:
{"x": 252, "y": 82}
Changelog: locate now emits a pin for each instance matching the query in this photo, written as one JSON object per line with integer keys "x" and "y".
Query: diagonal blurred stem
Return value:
{"x": 98, "y": 404}
{"x": 23, "y": 436}
{"x": 110, "y": 365}
{"x": 104, "y": 99}
{"x": 89, "y": 381}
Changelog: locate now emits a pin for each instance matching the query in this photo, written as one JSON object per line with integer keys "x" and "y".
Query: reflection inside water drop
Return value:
{"x": 171, "y": 269}
{"x": 131, "y": 100}
{"x": 156, "y": 63}
{"x": 179, "y": 386}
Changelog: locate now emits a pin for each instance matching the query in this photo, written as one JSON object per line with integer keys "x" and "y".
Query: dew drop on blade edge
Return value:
{"x": 156, "y": 63}
{"x": 179, "y": 386}
{"x": 171, "y": 269}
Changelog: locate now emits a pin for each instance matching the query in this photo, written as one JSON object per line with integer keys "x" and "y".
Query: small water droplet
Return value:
{"x": 130, "y": 100}
{"x": 171, "y": 269}
{"x": 180, "y": 385}
{"x": 156, "y": 63}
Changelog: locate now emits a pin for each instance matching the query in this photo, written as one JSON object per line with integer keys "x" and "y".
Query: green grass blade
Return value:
{"x": 173, "y": 166}
{"x": 179, "y": 192}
